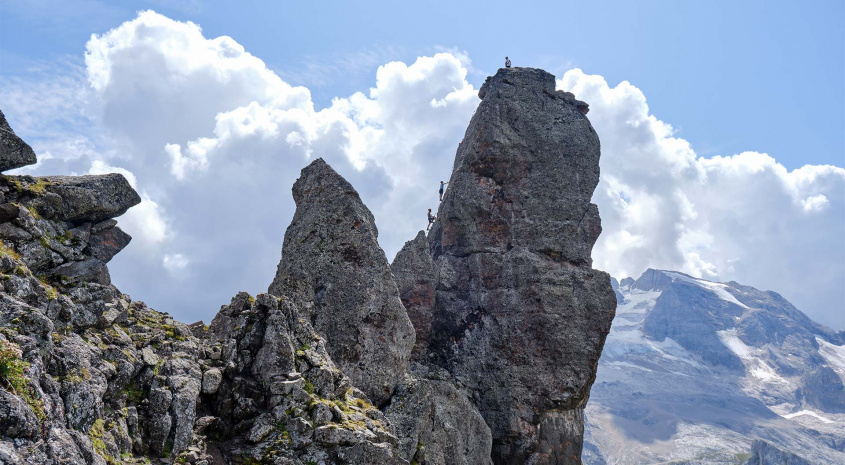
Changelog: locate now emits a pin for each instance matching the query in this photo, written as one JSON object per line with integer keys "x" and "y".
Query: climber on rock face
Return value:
{"x": 507, "y": 62}
{"x": 442, "y": 187}
{"x": 431, "y": 219}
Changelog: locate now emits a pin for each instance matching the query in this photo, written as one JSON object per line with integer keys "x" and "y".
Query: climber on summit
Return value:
{"x": 431, "y": 219}
{"x": 507, "y": 62}
{"x": 442, "y": 186}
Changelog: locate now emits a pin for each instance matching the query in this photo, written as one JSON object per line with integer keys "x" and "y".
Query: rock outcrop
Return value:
{"x": 333, "y": 266}
{"x": 272, "y": 394}
{"x": 327, "y": 366}
{"x": 519, "y": 316}
{"x": 438, "y": 425}
{"x": 763, "y": 453}
{"x": 14, "y": 152}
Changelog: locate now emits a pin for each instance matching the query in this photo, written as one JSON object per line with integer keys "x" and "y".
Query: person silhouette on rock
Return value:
{"x": 507, "y": 62}
{"x": 431, "y": 219}
{"x": 442, "y": 187}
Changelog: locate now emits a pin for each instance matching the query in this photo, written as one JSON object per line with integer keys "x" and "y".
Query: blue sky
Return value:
{"x": 730, "y": 76}
{"x": 721, "y": 126}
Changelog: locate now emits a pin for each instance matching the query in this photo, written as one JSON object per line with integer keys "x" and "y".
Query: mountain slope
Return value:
{"x": 693, "y": 371}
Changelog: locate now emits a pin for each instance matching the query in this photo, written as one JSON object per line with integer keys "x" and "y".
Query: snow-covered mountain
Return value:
{"x": 694, "y": 371}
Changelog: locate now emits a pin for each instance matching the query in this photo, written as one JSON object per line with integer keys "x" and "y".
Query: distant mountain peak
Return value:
{"x": 694, "y": 368}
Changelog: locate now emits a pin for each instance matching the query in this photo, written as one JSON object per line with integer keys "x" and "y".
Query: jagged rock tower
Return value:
{"x": 327, "y": 367}
{"x": 333, "y": 266}
{"x": 518, "y": 316}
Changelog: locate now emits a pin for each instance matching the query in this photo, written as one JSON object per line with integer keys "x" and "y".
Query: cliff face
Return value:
{"x": 519, "y": 317}
{"x": 477, "y": 346}
{"x": 87, "y": 375}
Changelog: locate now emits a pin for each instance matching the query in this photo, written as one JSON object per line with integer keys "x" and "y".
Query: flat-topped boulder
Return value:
{"x": 14, "y": 152}
{"x": 91, "y": 198}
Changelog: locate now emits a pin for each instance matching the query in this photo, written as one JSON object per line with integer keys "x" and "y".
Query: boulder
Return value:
{"x": 211, "y": 380}
{"x": 333, "y": 266}
{"x": 14, "y": 152}
{"x": 8, "y": 212}
{"x": 91, "y": 198}
{"x": 17, "y": 420}
{"x": 103, "y": 245}
{"x": 89, "y": 270}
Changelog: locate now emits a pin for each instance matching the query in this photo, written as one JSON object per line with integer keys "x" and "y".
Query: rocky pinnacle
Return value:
{"x": 332, "y": 264}
{"x": 519, "y": 315}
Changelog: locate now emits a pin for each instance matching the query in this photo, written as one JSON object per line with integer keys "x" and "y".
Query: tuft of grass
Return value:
{"x": 33, "y": 212}
{"x": 96, "y": 434}
{"x": 13, "y": 378}
{"x": 52, "y": 293}
{"x": 38, "y": 188}
{"x": 8, "y": 251}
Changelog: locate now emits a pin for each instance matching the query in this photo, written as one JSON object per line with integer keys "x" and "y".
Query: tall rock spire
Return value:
{"x": 519, "y": 316}
{"x": 332, "y": 264}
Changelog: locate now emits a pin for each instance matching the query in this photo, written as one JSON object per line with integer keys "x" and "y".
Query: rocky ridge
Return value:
{"x": 477, "y": 345}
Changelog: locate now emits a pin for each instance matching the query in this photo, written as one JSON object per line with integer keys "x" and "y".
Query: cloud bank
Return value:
{"x": 743, "y": 217}
{"x": 213, "y": 141}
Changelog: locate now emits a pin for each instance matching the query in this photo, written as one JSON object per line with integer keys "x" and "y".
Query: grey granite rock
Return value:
{"x": 413, "y": 269}
{"x": 14, "y": 152}
{"x": 519, "y": 316}
{"x": 17, "y": 420}
{"x": 89, "y": 270}
{"x": 103, "y": 245}
{"x": 281, "y": 397}
{"x": 90, "y": 198}
{"x": 332, "y": 264}
{"x": 436, "y": 424}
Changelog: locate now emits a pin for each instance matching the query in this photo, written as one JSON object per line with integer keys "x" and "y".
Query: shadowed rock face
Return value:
{"x": 14, "y": 152}
{"x": 438, "y": 425}
{"x": 333, "y": 266}
{"x": 519, "y": 316}
{"x": 413, "y": 269}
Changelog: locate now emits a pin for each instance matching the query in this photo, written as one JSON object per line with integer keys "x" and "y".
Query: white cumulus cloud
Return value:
{"x": 743, "y": 217}
{"x": 213, "y": 140}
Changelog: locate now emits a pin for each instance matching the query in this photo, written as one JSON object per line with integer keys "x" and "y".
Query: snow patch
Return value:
{"x": 756, "y": 366}
{"x": 721, "y": 290}
{"x": 833, "y": 354}
{"x": 790, "y": 416}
